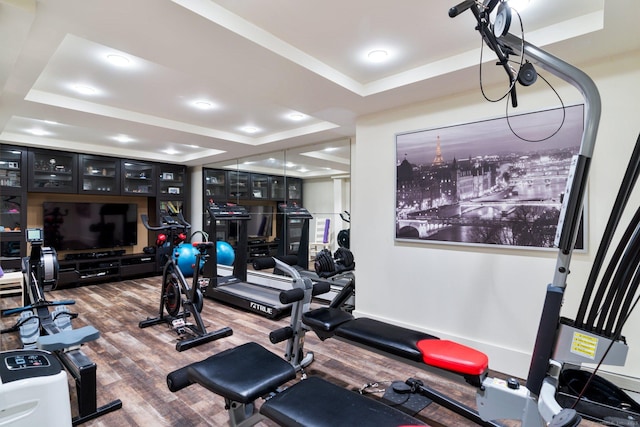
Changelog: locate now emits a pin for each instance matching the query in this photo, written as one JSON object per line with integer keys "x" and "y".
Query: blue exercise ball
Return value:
{"x": 186, "y": 258}
{"x": 226, "y": 254}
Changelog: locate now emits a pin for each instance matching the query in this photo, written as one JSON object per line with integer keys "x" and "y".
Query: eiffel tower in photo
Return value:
{"x": 438, "y": 160}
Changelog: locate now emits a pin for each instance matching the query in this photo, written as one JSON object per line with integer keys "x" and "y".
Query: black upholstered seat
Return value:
{"x": 316, "y": 402}
{"x": 243, "y": 373}
{"x": 384, "y": 337}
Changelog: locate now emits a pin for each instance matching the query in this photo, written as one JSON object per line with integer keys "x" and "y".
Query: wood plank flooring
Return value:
{"x": 133, "y": 362}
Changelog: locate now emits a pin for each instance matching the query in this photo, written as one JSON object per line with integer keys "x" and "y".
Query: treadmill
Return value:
{"x": 293, "y": 247}
{"x": 235, "y": 290}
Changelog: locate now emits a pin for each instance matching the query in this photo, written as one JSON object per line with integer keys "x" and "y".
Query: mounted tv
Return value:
{"x": 82, "y": 226}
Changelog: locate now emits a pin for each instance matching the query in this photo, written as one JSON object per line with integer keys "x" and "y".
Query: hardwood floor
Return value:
{"x": 133, "y": 362}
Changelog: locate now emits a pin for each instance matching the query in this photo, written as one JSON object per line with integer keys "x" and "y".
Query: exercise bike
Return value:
{"x": 176, "y": 291}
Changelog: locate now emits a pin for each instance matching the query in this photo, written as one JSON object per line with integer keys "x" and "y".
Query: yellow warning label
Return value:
{"x": 584, "y": 345}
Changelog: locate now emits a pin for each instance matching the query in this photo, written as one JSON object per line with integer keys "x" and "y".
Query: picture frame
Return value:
{"x": 497, "y": 182}
{"x": 173, "y": 190}
{"x": 167, "y": 176}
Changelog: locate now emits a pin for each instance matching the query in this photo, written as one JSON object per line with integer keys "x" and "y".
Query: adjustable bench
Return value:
{"x": 407, "y": 345}
{"x": 243, "y": 374}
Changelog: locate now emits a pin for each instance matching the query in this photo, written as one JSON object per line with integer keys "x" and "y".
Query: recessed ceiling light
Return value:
{"x": 193, "y": 146}
{"x": 290, "y": 165}
{"x": 50, "y": 122}
{"x": 203, "y": 104}
{"x": 170, "y": 151}
{"x": 123, "y": 139}
{"x": 303, "y": 170}
{"x": 329, "y": 149}
{"x": 378, "y": 55}
{"x": 84, "y": 89}
{"x": 38, "y": 132}
{"x": 297, "y": 116}
{"x": 250, "y": 129}
{"x": 118, "y": 60}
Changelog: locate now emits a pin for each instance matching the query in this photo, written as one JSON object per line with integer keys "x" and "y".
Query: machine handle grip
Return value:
{"x": 291, "y": 295}
{"x": 461, "y": 7}
{"x": 280, "y": 335}
{"x": 178, "y": 379}
{"x": 320, "y": 288}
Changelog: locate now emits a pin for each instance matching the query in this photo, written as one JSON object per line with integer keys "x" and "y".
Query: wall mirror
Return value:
{"x": 315, "y": 177}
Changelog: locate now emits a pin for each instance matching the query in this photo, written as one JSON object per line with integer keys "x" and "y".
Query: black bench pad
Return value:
{"x": 326, "y": 319}
{"x": 316, "y": 402}
{"x": 242, "y": 374}
{"x": 385, "y": 337}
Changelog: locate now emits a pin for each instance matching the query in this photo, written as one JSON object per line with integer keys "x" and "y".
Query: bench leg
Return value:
{"x": 241, "y": 414}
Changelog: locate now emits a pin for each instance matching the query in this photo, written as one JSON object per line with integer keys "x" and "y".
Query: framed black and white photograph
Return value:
{"x": 493, "y": 182}
{"x": 167, "y": 176}
{"x": 173, "y": 190}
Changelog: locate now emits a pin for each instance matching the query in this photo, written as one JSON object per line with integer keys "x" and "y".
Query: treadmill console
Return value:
{"x": 228, "y": 211}
{"x": 294, "y": 211}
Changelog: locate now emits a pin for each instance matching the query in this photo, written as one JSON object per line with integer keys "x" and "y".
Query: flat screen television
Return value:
{"x": 82, "y": 226}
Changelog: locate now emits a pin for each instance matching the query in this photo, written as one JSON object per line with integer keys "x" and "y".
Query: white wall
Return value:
{"x": 326, "y": 198}
{"x": 489, "y": 298}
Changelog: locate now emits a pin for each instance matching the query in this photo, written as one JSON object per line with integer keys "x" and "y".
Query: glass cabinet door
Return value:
{"x": 215, "y": 185}
{"x": 171, "y": 180}
{"x": 138, "y": 178}
{"x": 294, "y": 189}
{"x": 277, "y": 188}
{"x": 238, "y": 185}
{"x": 99, "y": 175}
{"x": 11, "y": 165}
{"x": 52, "y": 171}
{"x": 259, "y": 186}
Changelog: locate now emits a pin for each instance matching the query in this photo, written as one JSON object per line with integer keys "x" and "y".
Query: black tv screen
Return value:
{"x": 82, "y": 226}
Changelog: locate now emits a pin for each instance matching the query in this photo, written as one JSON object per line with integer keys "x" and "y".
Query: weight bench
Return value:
{"x": 245, "y": 373}
{"x": 409, "y": 346}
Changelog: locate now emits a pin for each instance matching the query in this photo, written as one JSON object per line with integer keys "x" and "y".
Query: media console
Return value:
{"x": 100, "y": 267}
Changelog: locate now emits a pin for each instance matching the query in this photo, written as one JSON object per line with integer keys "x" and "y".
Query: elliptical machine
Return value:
{"x": 176, "y": 292}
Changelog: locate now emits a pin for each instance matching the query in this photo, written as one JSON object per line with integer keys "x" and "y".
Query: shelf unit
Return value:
{"x": 99, "y": 175}
{"x": 101, "y": 268}
{"x": 13, "y": 210}
{"x": 138, "y": 178}
{"x": 53, "y": 171}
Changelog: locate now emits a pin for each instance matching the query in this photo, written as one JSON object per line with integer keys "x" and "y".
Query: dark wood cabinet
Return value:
{"x": 53, "y": 171}
{"x": 138, "y": 178}
{"x": 99, "y": 175}
{"x": 238, "y": 185}
{"x": 214, "y": 186}
{"x": 259, "y": 187}
{"x": 13, "y": 206}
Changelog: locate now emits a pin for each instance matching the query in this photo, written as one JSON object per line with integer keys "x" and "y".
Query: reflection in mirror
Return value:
{"x": 315, "y": 177}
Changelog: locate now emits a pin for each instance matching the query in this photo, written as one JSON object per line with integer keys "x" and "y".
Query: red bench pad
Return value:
{"x": 453, "y": 357}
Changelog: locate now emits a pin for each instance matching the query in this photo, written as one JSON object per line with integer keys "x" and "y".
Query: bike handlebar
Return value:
{"x": 170, "y": 223}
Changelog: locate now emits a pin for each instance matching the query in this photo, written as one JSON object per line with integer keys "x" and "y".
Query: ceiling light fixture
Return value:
{"x": 378, "y": 55}
{"x": 170, "y": 151}
{"x": 203, "y": 104}
{"x": 123, "y": 139}
{"x": 84, "y": 89}
{"x": 118, "y": 60}
{"x": 250, "y": 129}
{"x": 38, "y": 132}
{"x": 50, "y": 122}
{"x": 296, "y": 116}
